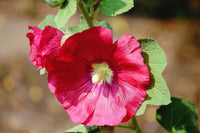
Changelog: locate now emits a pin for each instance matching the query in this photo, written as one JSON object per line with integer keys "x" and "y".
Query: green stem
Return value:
{"x": 132, "y": 126}
{"x": 91, "y": 11}
{"x": 96, "y": 12}
{"x": 135, "y": 125}
{"x": 85, "y": 14}
{"x": 125, "y": 127}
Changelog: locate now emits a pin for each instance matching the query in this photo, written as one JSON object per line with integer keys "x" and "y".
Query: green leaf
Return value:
{"x": 49, "y": 20}
{"x": 83, "y": 26}
{"x": 54, "y": 3}
{"x": 79, "y": 28}
{"x": 84, "y": 129}
{"x": 115, "y": 7}
{"x": 154, "y": 58}
{"x": 180, "y": 116}
{"x": 65, "y": 12}
{"x": 103, "y": 24}
{"x": 43, "y": 71}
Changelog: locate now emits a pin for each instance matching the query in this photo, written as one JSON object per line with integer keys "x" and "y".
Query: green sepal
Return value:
{"x": 180, "y": 116}
{"x": 115, "y": 7}
{"x": 154, "y": 58}
{"x": 84, "y": 129}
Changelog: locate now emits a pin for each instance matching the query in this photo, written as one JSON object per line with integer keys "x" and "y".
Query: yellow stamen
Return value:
{"x": 101, "y": 73}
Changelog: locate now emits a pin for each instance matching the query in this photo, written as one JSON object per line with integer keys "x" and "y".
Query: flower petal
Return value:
{"x": 74, "y": 90}
{"x": 64, "y": 75}
{"x": 108, "y": 109}
{"x": 46, "y": 43}
{"x": 94, "y": 44}
{"x": 129, "y": 59}
{"x": 131, "y": 94}
{"x": 35, "y": 52}
{"x": 51, "y": 41}
{"x": 83, "y": 103}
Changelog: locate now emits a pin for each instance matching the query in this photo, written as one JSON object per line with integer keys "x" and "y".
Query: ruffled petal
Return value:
{"x": 82, "y": 105}
{"x": 108, "y": 110}
{"x": 128, "y": 59}
{"x": 131, "y": 94}
{"x": 92, "y": 45}
{"x": 35, "y": 52}
{"x": 51, "y": 42}
{"x": 74, "y": 89}
{"x": 45, "y": 44}
{"x": 66, "y": 74}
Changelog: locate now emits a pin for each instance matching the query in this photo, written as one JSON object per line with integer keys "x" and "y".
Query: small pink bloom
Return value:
{"x": 97, "y": 81}
{"x": 44, "y": 44}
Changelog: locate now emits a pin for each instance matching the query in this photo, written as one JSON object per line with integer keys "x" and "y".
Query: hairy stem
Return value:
{"x": 107, "y": 129}
{"x": 85, "y": 14}
{"x": 135, "y": 125}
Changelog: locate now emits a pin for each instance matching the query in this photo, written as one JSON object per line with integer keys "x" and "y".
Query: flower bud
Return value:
{"x": 90, "y": 2}
{"x": 54, "y": 3}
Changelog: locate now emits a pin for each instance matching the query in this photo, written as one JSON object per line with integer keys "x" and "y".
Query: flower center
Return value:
{"x": 101, "y": 73}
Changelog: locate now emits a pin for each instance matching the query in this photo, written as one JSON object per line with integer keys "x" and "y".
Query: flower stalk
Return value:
{"x": 96, "y": 12}
{"x": 125, "y": 127}
{"x": 135, "y": 126}
{"x": 85, "y": 13}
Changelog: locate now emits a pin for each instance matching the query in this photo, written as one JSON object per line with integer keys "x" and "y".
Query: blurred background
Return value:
{"x": 27, "y": 105}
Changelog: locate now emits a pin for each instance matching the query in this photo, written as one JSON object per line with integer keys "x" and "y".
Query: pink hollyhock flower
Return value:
{"x": 44, "y": 44}
{"x": 97, "y": 81}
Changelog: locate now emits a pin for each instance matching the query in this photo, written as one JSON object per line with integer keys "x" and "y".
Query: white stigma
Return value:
{"x": 96, "y": 78}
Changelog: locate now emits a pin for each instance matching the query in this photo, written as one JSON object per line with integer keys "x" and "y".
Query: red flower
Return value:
{"x": 97, "y": 81}
{"x": 44, "y": 44}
